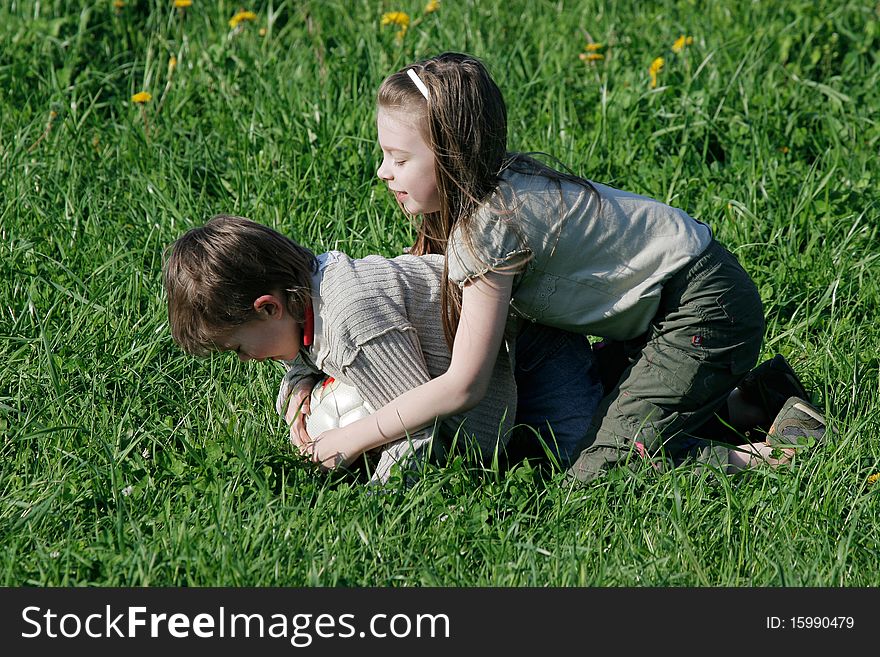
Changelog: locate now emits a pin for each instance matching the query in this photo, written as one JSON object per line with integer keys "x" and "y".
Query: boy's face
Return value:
{"x": 273, "y": 335}
{"x": 407, "y": 163}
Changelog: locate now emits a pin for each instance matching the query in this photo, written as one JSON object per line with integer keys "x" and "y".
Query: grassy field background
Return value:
{"x": 125, "y": 463}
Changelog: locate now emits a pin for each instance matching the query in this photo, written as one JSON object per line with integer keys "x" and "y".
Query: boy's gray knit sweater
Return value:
{"x": 378, "y": 327}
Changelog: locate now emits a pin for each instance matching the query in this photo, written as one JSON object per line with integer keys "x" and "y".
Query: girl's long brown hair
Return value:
{"x": 465, "y": 124}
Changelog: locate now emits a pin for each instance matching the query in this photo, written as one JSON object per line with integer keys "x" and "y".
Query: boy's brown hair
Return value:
{"x": 213, "y": 274}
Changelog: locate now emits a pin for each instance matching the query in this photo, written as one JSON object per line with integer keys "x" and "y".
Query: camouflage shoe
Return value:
{"x": 798, "y": 424}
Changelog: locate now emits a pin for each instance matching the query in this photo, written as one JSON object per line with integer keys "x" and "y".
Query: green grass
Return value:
{"x": 124, "y": 462}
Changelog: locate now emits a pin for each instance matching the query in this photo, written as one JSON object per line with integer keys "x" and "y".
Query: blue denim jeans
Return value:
{"x": 558, "y": 391}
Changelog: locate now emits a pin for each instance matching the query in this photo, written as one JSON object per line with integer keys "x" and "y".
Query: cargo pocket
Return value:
{"x": 745, "y": 327}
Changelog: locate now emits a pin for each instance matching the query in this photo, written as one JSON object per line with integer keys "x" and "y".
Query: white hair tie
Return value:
{"x": 411, "y": 72}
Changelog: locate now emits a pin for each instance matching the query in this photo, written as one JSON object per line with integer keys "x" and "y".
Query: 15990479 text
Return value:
{"x": 810, "y": 623}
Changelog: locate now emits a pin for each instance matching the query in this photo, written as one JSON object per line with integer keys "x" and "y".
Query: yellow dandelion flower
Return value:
{"x": 681, "y": 42}
{"x": 262, "y": 31}
{"x": 593, "y": 47}
{"x": 432, "y": 6}
{"x": 142, "y": 97}
{"x": 656, "y": 67}
{"x": 172, "y": 64}
{"x": 591, "y": 56}
{"x": 873, "y": 478}
{"x": 396, "y": 18}
{"x": 241, "y": 17}
{"x": 118, "y": 4}
{"x": 183, "y": 4}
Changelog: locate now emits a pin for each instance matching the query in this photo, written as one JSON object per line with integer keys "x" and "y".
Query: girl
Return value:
{"x": 526, "y": 244}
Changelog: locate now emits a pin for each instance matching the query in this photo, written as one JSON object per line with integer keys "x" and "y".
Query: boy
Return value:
{"x": 236, "y": 285}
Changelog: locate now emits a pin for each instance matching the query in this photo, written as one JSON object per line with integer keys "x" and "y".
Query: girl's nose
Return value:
{"x": 384, "y": 171}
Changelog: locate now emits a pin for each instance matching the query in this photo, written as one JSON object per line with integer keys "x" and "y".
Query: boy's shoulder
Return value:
{"x": 373, "y": 270}
{"x": 362, "y": 298}
{"x": 349, "y": 286}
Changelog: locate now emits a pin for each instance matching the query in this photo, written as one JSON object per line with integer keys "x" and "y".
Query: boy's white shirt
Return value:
{"x": 308, "y": 364}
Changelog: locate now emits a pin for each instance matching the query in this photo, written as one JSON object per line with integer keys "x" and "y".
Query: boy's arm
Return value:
{"x": 292, "y": 402}
{"x": 406, "y": 452}
{"x": 297, "y": 371}
{"x": 477, "y": 344}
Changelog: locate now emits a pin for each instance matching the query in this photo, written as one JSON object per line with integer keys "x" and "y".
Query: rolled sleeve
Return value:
{"x": 388, "y": 365}
{"x": 297, "y": 371}
{"x": 402, "y": 368}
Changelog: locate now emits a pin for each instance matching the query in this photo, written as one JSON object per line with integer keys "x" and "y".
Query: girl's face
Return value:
{"x": 407, "y": 163}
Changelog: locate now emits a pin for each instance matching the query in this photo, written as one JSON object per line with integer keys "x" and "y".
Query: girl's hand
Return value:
{"x": 329, "y": 450}
{"x": 298, "y": 408}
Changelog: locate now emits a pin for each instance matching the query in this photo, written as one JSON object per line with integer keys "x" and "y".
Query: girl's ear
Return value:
{"x": 268, "y": 306}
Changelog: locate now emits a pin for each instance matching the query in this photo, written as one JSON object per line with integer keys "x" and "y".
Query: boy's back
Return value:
{"x": 378, "y": 326}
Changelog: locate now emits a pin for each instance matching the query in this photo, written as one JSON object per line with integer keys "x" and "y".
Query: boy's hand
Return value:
{"x": 293, "y": 380}
{"x": 328, "y": 450}
{"x": 298, "y": 408}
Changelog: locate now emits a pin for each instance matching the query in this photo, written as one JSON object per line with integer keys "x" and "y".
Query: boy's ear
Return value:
{"x": 268, "y": 305}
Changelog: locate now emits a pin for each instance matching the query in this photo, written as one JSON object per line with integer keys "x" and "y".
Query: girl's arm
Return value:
{"x": 485, "y": 303}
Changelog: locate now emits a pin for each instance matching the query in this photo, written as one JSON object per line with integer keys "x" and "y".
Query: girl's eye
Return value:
{"x": 398, "y": 163}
